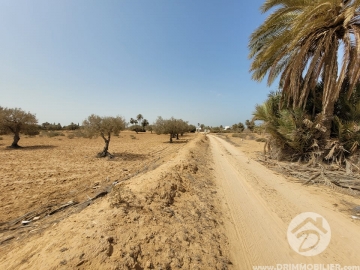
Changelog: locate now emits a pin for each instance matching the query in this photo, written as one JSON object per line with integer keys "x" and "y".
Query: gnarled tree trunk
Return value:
{"x": 16, "y": 140}
{"x": 105, "y": 152}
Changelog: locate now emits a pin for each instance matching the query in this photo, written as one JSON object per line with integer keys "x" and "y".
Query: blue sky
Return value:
{"x": 64, "y": 60}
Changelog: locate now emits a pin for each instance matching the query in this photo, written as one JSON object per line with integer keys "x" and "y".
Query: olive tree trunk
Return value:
{"x": 16, "y": 140}
{"x": 105, "y": 151}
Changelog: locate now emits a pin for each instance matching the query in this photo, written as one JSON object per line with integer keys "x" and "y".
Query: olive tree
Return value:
{"x": 136, "y": 128}
{"x": 104, "y": 127}
{"x": 183, "y": 126}
{"x": 16, "y": 121}
{"x": 170, "y": 126}
{"x": 150, "y": 128}
{"x": 159, "y": 125}
{"x": 139, "y": 128}
{"x": 192, "y": 128}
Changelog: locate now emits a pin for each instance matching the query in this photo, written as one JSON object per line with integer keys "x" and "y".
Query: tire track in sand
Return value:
{"x": 260, "y": 206}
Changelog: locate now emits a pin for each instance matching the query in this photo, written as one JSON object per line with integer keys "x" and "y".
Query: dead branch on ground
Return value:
{"x": 332, "y": 174}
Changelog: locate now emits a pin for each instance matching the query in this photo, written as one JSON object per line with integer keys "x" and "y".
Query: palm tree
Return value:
{"x": 133, "y": 121}
{"x": 139, "y": 117}
{"x": 144, "y": 123}
{"x": 301, "y": 41}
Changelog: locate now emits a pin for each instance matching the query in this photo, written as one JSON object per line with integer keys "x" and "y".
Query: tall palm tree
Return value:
{"x": 144, "y": 123}
{"x": 139, "y": 117}
{"x": 306, "y": 41}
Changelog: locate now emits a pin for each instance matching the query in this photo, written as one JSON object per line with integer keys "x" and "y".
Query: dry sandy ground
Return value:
{"x": 246, "y": 144}
{"x": 209, "y": 205}
{"x": 167, "y": 218}
{"x": 261, "y": 204}
{"x": 52, "y": 171}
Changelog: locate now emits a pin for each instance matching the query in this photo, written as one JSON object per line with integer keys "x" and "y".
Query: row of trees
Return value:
{"x": 33, "y": 129}
{"x": 173, "y": 127}
{"x": 238, "y": 127}
{"x": 17, "y": 120}
{"x": 105, "y": 127}
{"x": 49, "y": 126}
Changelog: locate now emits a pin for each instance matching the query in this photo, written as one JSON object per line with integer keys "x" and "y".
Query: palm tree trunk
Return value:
{"x": 330, "y": 95}
{"x": 328, "y": 116}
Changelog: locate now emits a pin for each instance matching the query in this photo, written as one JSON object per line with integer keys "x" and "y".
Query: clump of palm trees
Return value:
{"x": 313, "y": 47}
{"x": 139, "y": 124}
{"x": 296, "y": 133}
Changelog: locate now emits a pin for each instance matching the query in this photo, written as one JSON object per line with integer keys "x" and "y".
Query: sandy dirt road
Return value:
{"x": 260, "y": 206}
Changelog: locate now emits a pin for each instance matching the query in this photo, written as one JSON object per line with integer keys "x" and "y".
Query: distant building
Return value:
{"x": 226, "y": 127}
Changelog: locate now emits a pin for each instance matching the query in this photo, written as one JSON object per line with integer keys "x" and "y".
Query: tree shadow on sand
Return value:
{"x": 32, "y": 147}
{"x": 129, "y": 156}
{"x": 177, "y": 141}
